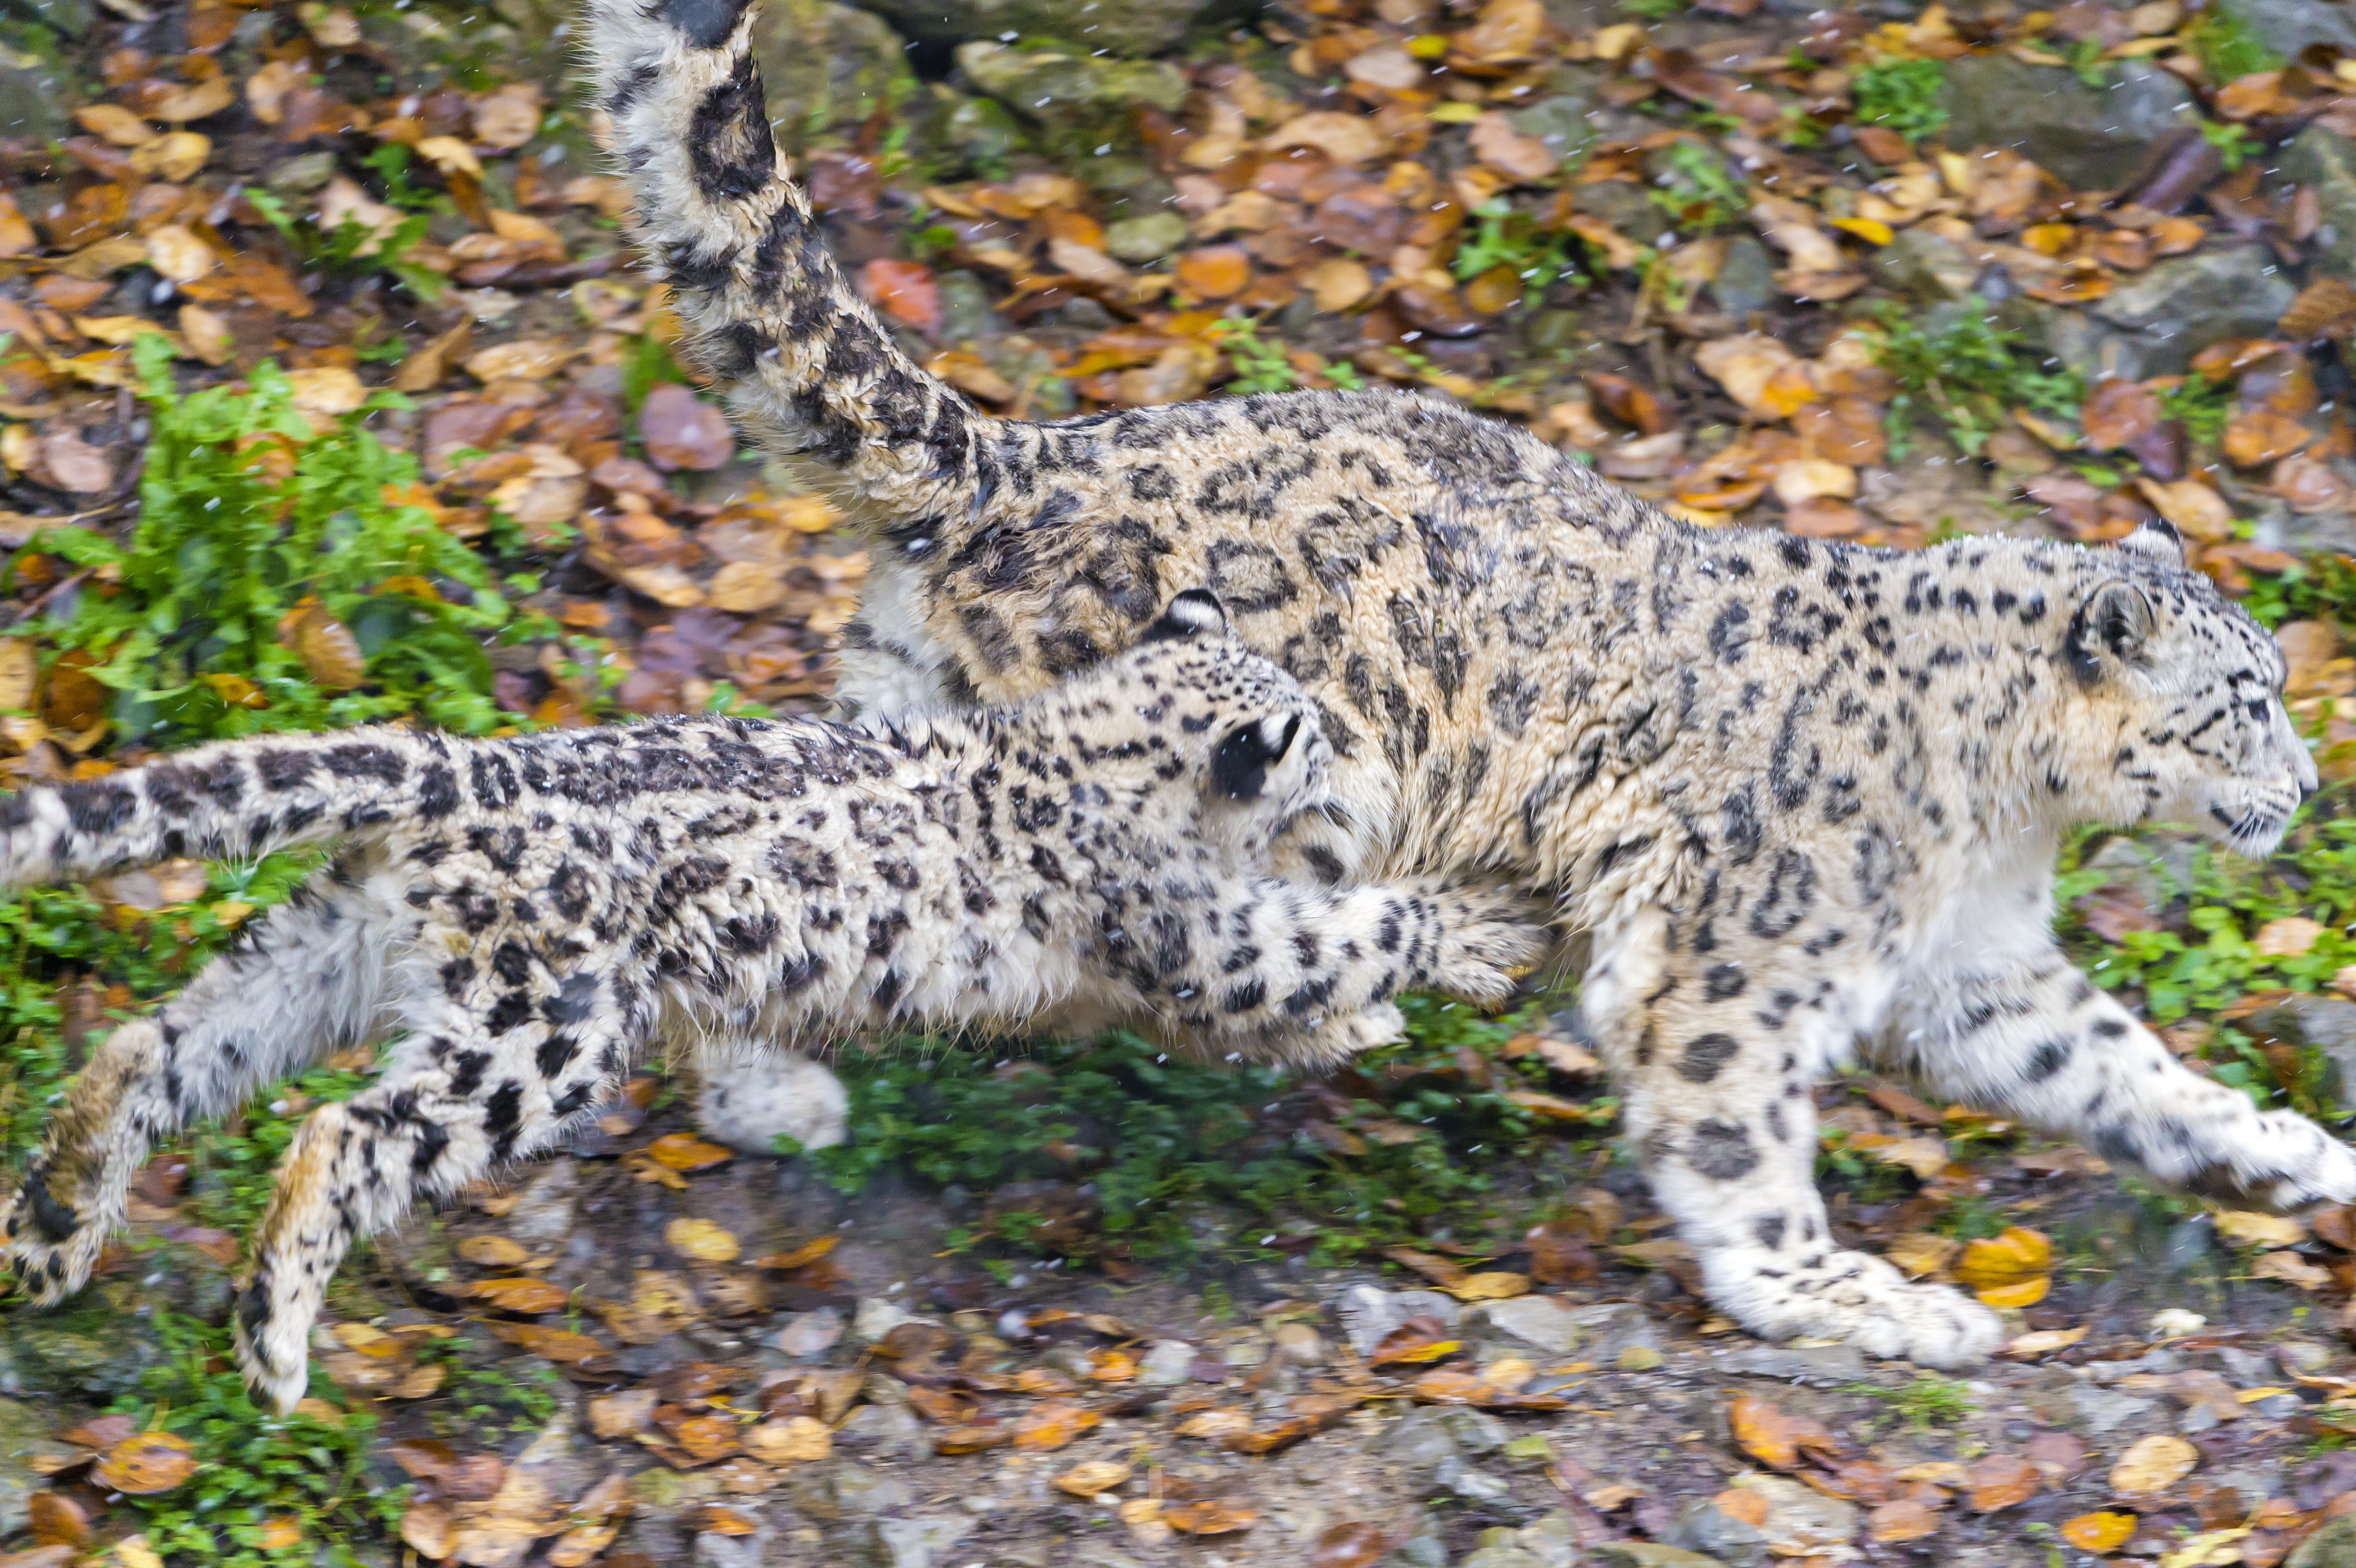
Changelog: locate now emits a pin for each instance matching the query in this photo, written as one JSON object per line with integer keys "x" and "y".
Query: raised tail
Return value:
{"x": 235, "y": 799}
{"x": 807, "y": 366}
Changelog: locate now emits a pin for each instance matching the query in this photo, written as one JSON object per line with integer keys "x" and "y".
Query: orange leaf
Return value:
{"x": 685, "y": 1151}
{"x": 2103, "y": 1531}
{"x": 1053, "y": 1425}
{"x": 1772, "y": 1437}
{"x": 146, "y": 1463}
{"x": 527, "y": 1295}
{"x": 1208, "y": 1517}
{"x": 1215, "y": 271}
{"x": 550, "y": 1344}
{"x": 1901, "y": 1519}
{"x": 2003, "y": 1481}
{"x": 905, "y": 291}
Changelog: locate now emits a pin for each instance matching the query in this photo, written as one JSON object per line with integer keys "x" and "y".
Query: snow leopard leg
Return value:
{"x": 457, "y": 1102}
{"x": 2035, "y": 1040}
{"x": 305, "y": 977}
{"x": 1717, "y": 1060}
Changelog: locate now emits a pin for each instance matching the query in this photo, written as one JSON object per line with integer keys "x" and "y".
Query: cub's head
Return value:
{"x": 2185, "y": 691}
{"x": 1192, "y": 719}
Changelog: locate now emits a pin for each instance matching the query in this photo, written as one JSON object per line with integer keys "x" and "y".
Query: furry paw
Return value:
{"x": 274, "y": 1350}
{"x": 1856, "y": 1297}
{"x": 1488, "y": 941}
{"x": 51, "y": 1247}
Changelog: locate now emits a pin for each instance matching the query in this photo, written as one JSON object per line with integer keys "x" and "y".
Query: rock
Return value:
{"x": 1704, "y": 1527}
{"x": 543, "y": 1210}
{"x": 890, "y": 1431}
{"x": 1538, "y": 1320}
{"x": 24, "y": 1438}
{"x": 750, "y": 1100}
{"x": 1134, "y": 27}
{"x": 1615, "y": 1327}
{"x": 2102, "y": 1410}
{"x": 1473, "y": 1431}
{"x": 2178, "y": 307}
{"x": 1800, "y": 1520}
{"x": 2125, "y": 863}
{"x": 1827, "y": 1366}
{"x": 809, "y": 1333}
{"x": 2323, "y": 1026}
{"x": 918, "y": 1543}
{"x": 1166, "y": 1364}
{"x": 1147, "y": 238}
{"x": 1564, "y": 122}
{"x": 1081, "y": 105}
{"x": 1745, "y": 283}
{"x": 824, "y": 64}
{"x": 711, "y": 1548}
{"x": 2333, "y": 1546}
{"x": 1926, "y": 266}
{"x": 839, "y": 1490}
{"x": 1417, "y": 1440}
{"x": 1553, "y": 1540}
{"x": 303, "y": 173}
{"x": 1369, "y": 1312}
{"x": 1299, "y": 1344}
{"x": 877, "y": 1316}
{"x": 1648, "y": 1554}
{"x": 1625, "y": 207}
{"x": 1502, "y": 1557}
{"x": 2092, "y": 138}
{"x": 1453, "y": 1474}
{"x": 2325, "y": 162}
{"x": 2289, "y": 27}
{"x": 37, "y": 100}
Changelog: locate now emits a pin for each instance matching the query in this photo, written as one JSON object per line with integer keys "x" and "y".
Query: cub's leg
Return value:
{"x": 2035, "y": 1040}
{"x": 308, "y": 977}
{"x": 1717, "y": 1062}
{"x": 456, "y": 1102}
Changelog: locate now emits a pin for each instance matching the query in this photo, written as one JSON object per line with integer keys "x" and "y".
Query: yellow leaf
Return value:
{"x": 2045, "y": 1341}
{"x": 133, "y": 1552}
{"x": 147, "y": 1463}
{"x": 2007, "y": 1259}
{"x": 2247, "y": 1230}
{"x": 492, "y": 1252}
{"x": 1499, "y": 1284}
{"x": 2021, "y": 1293}
{"x": 2103, "y": 1531}
{"x": 2154, "y": 1464}
{"x": 1871, "y": 229}
{"x": 702, "y": 1241}
{"x": 1085, "y": 1480}
{"x": 796, "y": 1441}
{"x": 684, "y": 1151}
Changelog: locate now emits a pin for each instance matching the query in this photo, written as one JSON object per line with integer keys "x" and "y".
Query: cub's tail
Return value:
{"x": 807, "y": 366}
{"x": 235, "y": 799}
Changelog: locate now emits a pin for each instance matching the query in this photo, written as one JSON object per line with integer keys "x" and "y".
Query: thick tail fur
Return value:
{"x": 770, "y": 316}
{"x": 222, "y": 801}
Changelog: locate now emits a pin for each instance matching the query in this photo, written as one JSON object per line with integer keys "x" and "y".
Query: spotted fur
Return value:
{"x": 528, "y": 913}
{"x": 1792, "y": 795}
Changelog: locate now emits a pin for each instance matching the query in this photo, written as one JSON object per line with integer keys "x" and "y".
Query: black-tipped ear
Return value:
{"x": 1239, "y": 766}
{"x": 2157, "y": 541}
{"x": 1196, "y": 613}
{"x": 2114, "y": 623}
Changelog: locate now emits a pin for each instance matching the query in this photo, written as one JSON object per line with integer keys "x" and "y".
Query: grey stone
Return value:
{"x": 1538, "y": 1320}
{"x": 1704, "y": 1527}
{"x": 2324, "y": 1027}
{"x": 1424, "y": 1548}
{"x": 1745, "y": 283}
{"x": 1146, "y": 238}
{"x": 712, "y": 1549}
{"x": 1122, "y": 27}
{"x": 809, "y": 1333}
{"x": 841, "y": 1489}
{"x": 24, "y": 1438}
{"x": 1649, "y": 1554}
{"x": 1564, "y": 122}
{"x": 2303, "y": 1356}
{"x": 37, "y": 101}
{"x": 2333, "y": 1546}
{"x": 1368, "y": 1312}
{"x": 2092, "y": 138}
{"x": 1625, "y": 207}
{"x": 543, "y": 1210}
{"x": 2249, "y": 1369}
{"x": 1926, "y": 266}
{"x": 1417, "y": 1440}
{"x": 1080, "y": 105}
{"x": 824, "y": 64}
{"x": 1800, "y": 1519}
{"x": 1552, "y": 1539}
{"x": 2179, "y": 306}
{"x": 878, "y": 1316}
{"x": 1825, "y": 1365}
{"x": 1166, "y": 1364}
{"x": 1615, "y": 1327}
{"x": 967, "y": 313}
{"x": 889, "y": 1431}
{"x": 1453, "y": 1474}
{"x": 2125, "y": 863}
{"x": 304, "y": 172}
{"x": 1299, "y": 1344}
{"x": 1474, "y": 1431}
{"x": 2325, "y": 162}
{"x": 2102, "y": 1410}
{"x": 1502, "y": 1557}
{"x": 918, "y": 1542}
{"x": 2290, "y": 26}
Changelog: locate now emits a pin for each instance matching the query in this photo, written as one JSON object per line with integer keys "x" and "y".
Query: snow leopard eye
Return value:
{"x": 1239, "y": 765}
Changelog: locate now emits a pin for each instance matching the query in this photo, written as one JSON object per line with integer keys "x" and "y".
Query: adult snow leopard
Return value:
{"x": 1794, "y": 794}
{"x": 531, "y": 910}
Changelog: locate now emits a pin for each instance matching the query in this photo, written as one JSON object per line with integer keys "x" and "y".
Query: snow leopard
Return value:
{"x": 524, "y": 914}
{"x": 1797, "y": 803}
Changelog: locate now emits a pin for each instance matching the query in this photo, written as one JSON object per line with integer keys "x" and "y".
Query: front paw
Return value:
{"x": 51, "y": 1247}
{"x": 273, "y": 1347}
{"x": 1857, "y": 1297}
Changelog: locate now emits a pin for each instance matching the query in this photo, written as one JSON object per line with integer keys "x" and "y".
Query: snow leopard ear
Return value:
{"x": 1196, "y": 613}
{"x": 1239, "y": 765}
{"x": 2112, "y": 627}
{"x": 2156, "y": 540}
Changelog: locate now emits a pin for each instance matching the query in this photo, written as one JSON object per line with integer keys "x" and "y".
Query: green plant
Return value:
{"x": 1259, "y": 366}
{"x": 2234, "y": 143}
{"x": 254, "y": 1466}
{"x": 1507, "y": 237}
{"x": 352, "y": 247}
{"x": 1926, "y": 1402}
{"x": 1901, "y": 94}
{"x": 245, "y": 515}
{"x": 2227, "y": 47}
{"x": 1970, "y": 374}
{"x": 2205, "y": 407}
{"x": 1156, "y": 1137}
{"x": 2085, "y": 62}
{"x": 1652, "y": 10}
{"x": 1695, "y": 189}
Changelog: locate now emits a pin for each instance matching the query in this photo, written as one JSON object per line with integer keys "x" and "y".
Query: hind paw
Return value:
{"x": 51, "y": 1250}
{"x": 1489, "y": 943}
{"x": 1859, "y": 1298}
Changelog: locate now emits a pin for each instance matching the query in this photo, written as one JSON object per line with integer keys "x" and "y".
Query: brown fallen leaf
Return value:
{"x": 702, "y": 1241}
{"x": 146, "y": 1463}
{"x": 429, "y": 1529}
{"x": 1087, "y": 1479}
{"x": 521, "y": 1293}
{"x": 1419, "y": 1340}
{"x": 905, "y": 291}
{"x": 620, "y": 1414}
{"x": 329, "y": 649}
{"x": 1774, "y": 1438}
{"x": 1901, "y": 1519}
{"x": 1052, "y": 1425}
{"x": 681, "y": 431}
{"x": 492, "y": 1252}
{"x": 2118, "y": 411}
{"x": 2262, "y": 435}
{"x": 2004, "y": 1480}
{"x": 1356, "y": 1544}
{"x": 1209, "y": 1516}
{"x": 560, "y": 1345}
{"x": 686, "y": 1152}
{"x": 2154, "y": 1464}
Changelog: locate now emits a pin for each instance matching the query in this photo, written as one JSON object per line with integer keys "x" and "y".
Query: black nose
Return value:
{"x": 2308, "y": 792}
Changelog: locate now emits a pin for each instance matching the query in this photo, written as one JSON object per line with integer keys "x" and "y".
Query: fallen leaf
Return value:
{"x": 2045, "y": 1341}
{"x": 1207, "y": 1517}
{"x": 560, "y": 1345}
{"x": 2118, "y": 411}
{"x": 1922, "y": 1253}
{"x": 492, "y": 1252}
{"x": 56, "y": 1520}
{"x": 429, "y": 1529}
{"x": 686, "y": 1152}
{"x": 702, "y": 1241}
{"x": 146, "y": 1463}
{"x": 1770, "y": 1436}
{"x": 2287, "y": 937}
{"x": 1418, "y": 1340}
{"x": 329, "y": 649}
{"x": 1356, "y": 1544}
{"x": 327, "y": 390}
{"x": 531, "y": 1297}
{"x": 905, "y": 291}
{"x": 2011, "y": 1259}
{"x": 529, "y": 359}
{"x": 2191, "y": 506}
{"x": 1052, "y": 1424}
{"x": 2153, "y": 1464}
{"x": 620, "y": 1414}
{"x": 1499, "y": 1285}
{"x": 1338, "y": 283}
{"x": 683, "y": 431}
{"x": 1347, "y": 139}
{"x": 1901, "y": 1519}
{"x": 1087, "y": 1480}
{"x": 2004, "y": 1480}
{"x": 1496, "y": 144}
{"x": 2259, "y": 436}
{"x": 1215, "y": 271}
